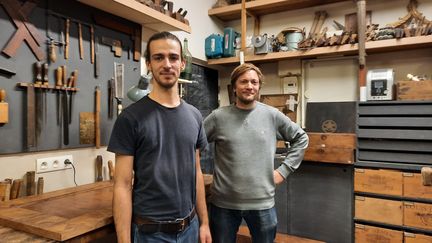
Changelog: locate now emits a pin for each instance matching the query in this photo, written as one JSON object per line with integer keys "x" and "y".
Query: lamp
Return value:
{"x": 140, "y": 90}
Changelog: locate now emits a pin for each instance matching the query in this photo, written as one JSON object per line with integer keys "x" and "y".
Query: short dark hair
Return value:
{"x": 239, "y": 70}
{"x": 161, "y": 36}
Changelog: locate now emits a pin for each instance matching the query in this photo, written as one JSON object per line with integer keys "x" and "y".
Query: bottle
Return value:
{"x": 187, "y": 71}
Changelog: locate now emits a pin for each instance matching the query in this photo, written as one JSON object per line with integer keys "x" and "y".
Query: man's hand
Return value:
{"x": 277, "y": 177}
{"x": 204, "y": 234}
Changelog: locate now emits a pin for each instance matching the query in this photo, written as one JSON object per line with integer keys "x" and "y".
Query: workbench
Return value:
{"x": 78, "y": 214}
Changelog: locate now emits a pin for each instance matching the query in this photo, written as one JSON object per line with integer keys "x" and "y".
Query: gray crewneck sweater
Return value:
{"x": 245, "y": 145}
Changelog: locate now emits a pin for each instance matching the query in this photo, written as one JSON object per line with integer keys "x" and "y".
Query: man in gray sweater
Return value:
{"x": 244, "y": 178}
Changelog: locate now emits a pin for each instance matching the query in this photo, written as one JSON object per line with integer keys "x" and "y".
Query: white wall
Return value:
{"x": 342, "y": 77}
{"x": 15, "y": 167}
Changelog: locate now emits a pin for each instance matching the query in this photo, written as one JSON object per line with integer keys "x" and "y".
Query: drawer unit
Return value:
{"x": 413, "y": 186}
{"x": 371, "y": 234}
{"x": 388, "y": 182}
{"x": 379, "y": 210}
{"x": 418, "y": 215}
{"x": 417, "y": 238}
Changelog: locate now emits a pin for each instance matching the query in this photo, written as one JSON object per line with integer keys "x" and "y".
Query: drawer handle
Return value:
{"x": 357, "y": 170}
{"x": 408, "y": 234}
{"x": 360, "y": 226}
{"x": 408, "y": 203}
{"x": 406, "y": 174}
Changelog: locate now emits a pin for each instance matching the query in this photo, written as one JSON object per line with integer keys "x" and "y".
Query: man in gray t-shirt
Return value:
{"x": 245, "y": 136}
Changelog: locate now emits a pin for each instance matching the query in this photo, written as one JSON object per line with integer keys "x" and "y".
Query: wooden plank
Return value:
{"x": 379, "y": 210}
{"x": 397, "y": 109}
{"x": 61, "y": 215}
{"x": 388, "y": 182}
{"x": 15, "y": 236}
{"x": 243, "y": 236}
{"x": 395, "y": 122}
{"x": 329, "y": 155}
{"x": 414, "y": 90}
{"x": 395, "y": 157}
{"x": 395, "y": 134}
{"x": 395, "y": 145}
{"x": 418, "y": 215}
{"x": 371, "y": 234}
{"x": 413, "y": 186}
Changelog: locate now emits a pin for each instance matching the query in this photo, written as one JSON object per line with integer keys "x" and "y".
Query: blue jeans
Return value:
{"x": 224, "y": 224}
{"x": 189, "y": 235}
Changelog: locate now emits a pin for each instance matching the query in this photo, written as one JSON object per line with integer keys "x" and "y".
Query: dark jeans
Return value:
{"x": 189, "y": 235}
{"x": 224, "y": 224}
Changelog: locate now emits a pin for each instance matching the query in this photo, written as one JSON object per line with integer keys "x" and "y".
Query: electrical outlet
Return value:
{"x": 53, "y": 164}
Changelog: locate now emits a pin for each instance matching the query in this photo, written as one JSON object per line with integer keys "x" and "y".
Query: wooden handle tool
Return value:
{"x": 15, "y": 189}
{"x": 111, "y": 169}
{"x": 92, "y": 44}
{"x": 4, "y": 191}
{"x": 97, "y": 116}
{"x": 99, "y": 163}
{"x": 40, "y": 185}
{"x": 66, "y": 47}
{"x": 2, "y": 95}
{"x": 80, "y": 41}
{"x": 59, "y": 77}
{"x": 52, "y": 52}
{"x": 30, "y": 183}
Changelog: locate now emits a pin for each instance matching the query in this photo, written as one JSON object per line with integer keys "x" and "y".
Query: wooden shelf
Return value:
{"x": 262, "y": 7}
{"x": 139, "y": 13}
{"x": 348, "y": 49}
{"x": 41, "y": 86}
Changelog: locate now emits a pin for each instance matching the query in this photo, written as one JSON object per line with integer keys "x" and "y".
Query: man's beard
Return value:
{"x": 166, "y": 85}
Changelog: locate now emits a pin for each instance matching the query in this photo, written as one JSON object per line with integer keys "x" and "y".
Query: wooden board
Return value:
{"x": 63, "y": 214}
{"x": 4, "y": 112}
{"x": 379, "y": 210}
{"x": 331, "y": 147}
{"x": 243, "y": 236}
{"x": 413, "y": 186}
{"x": 418, "y": 215}
{"x": 414, "y": 90}
{"x": 388, "y": 182}
{"x": 370, "y": 234}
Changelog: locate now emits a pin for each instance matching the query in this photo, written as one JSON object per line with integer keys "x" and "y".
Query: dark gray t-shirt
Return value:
{"x": 163, "y": 142}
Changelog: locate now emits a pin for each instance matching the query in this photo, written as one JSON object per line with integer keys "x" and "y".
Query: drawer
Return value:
{"x": 371, "y": 234}
{"x": 379, "y": 210}
{"x": 418, "y": 215}
{"x": 413, "y": 186}
{"x": 417, "y": 238}
{"x": 387, "y": 182}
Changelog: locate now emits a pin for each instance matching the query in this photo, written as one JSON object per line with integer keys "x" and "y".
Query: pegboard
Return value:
{"x": 49, "y": 13}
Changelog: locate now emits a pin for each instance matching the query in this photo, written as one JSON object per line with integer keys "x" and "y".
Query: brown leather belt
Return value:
{"x": 151, "y": 226}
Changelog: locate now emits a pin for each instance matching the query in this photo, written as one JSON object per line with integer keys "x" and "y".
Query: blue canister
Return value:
{"x": 213, "y": 46}
{"x": 229, "y": 42}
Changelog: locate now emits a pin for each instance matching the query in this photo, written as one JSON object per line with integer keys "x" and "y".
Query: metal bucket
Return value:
{"x": 292, "y": 38}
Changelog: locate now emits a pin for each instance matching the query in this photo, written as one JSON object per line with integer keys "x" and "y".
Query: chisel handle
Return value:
{"x": 2, "y": 95}
{"x": 59, "y": 76}
{"x": 99, "y": 168}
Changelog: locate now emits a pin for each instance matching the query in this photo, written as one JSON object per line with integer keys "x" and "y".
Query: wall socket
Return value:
{"x": 53, "y": 164}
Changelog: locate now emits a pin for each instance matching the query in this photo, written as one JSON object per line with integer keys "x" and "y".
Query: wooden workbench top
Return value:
{"x": 63, "y": 214}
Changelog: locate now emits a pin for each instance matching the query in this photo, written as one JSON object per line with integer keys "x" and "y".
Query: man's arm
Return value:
{"x": 201, "y": 207}
{"x": 122, "y": 199}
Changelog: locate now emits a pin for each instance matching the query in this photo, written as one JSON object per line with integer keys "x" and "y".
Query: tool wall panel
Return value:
{"x": 51, "y": 24}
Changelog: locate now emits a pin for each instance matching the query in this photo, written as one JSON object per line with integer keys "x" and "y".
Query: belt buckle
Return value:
{"x": 181, "y": 225}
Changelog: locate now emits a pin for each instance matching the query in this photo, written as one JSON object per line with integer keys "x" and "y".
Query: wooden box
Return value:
{"x": 414, "y": 90}
{"x": 414, "y": 188}
{"x": 370, "y": 234}
{"x": 281, "y": 101}
{"x": 387, "y": 182}
{"x": 417, "y": 238}
{"x": 331, "y": 147}
{"x": 418, "y": 215}
{"x": 379, "y": 210}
